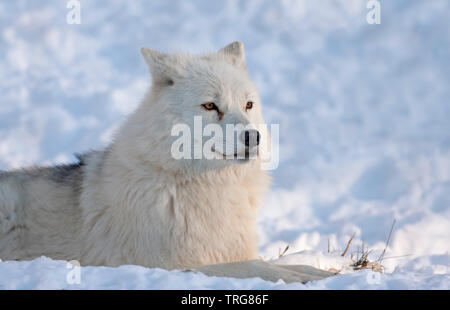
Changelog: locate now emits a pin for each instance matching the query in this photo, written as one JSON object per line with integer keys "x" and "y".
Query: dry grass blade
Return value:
{"x": 280, "y": 254}
{"x": 363, "y": 261}
{"x": 395, "y": 257}
{"x": 348, "y": 245}
{"x": 380, "y": 259}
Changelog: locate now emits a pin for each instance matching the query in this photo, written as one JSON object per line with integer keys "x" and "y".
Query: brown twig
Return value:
{"x": 280, "y": 254}
{"x": 348, "y": 245}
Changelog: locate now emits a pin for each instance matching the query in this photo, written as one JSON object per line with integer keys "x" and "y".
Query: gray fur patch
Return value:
{"x": 64, "y": 175}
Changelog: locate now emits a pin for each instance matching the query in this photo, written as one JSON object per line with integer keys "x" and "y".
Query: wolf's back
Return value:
{"x": 39, "y": 211}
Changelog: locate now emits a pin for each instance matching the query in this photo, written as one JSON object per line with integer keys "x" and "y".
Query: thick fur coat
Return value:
{"x": 133, "y": 203}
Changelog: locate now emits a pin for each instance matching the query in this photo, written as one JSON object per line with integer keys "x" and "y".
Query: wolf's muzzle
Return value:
{"x": 250, "y": 138}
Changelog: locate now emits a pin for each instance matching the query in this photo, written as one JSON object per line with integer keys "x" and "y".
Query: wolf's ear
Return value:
{"x": 235, "y": 53}
{"x": 159, "y": 65}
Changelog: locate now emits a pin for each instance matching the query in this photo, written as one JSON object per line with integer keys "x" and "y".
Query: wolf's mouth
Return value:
{"x": 236, "y": 156}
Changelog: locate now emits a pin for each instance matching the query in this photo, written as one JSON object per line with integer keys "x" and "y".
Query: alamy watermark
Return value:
{"x": 373, "y": 278}
{"x": 374, "y": 14}
{"x": 74, "y": 14}
{"x": 234, "y": 142}
{"x": 73, "y": 277}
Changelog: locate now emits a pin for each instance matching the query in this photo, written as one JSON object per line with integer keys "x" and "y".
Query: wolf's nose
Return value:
{"x": 250, "y": 138}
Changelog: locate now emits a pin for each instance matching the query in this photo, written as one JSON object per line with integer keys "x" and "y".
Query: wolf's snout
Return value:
{"x": 250, "y": 138}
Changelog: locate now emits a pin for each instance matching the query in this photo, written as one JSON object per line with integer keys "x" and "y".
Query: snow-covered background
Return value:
{"x": 363, "y": 111}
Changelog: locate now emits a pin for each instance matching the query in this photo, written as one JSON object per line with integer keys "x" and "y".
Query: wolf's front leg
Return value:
{"x": 264, "y": 270}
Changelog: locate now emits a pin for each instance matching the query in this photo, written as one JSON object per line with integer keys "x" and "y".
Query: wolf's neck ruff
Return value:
{"x": 206, "y": 218}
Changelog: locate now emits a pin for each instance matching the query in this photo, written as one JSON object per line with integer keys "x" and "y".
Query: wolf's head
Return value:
{"x": 186, "y": 120}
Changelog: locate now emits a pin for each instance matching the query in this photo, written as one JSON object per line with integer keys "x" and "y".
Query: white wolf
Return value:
{"x": 133, "y": 203}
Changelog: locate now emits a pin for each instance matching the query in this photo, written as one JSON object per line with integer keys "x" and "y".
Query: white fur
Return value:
{"x": 136, "y": 204}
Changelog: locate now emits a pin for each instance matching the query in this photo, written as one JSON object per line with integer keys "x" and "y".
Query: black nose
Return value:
{"x": 252, "y": 138}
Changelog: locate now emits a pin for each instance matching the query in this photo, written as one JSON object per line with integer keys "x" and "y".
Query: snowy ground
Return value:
{"x": 363, "y": 113}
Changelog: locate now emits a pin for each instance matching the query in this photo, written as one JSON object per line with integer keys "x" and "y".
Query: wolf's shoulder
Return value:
{"x": 64, "y": 174}
{"x": 87, "y": 158}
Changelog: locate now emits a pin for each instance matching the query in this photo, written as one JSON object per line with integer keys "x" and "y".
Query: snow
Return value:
{"x": 363, "y": 113}
{"x": 44, "y": 273}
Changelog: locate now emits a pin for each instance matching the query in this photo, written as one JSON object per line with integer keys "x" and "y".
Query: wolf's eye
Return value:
{"x": 249, "y": 105}
{"x": 209, "y": 106}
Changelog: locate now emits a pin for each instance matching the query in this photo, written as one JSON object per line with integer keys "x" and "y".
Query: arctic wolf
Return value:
{"x": 134, "y": 203}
